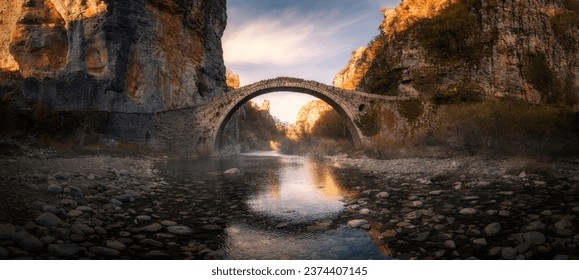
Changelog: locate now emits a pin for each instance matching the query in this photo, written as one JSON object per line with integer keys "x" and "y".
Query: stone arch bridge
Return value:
{"x": 198, "y": 129}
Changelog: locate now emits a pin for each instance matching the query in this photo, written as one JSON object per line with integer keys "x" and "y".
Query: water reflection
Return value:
{"x": 303, "y": 191}
{"x": 247, "y": 242}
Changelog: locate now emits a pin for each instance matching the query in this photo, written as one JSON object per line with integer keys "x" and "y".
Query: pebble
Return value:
{"x": 63, "y": 250}
{"x": 152, "y": 243}
{"x": 7, "y": 230}
{"x": 84, "y": 208}
{"x": 183, "y": 230}
{"x": 483, "y": 184}
{"x": 436, "y": 192}
{"x": 504, "y": 213}
{"x": 450, "y": 244}
{"x": 74, "y": 213}
{"x": 495, "y": 251}
{"x": 492, "y": 229}
{"x": 168, "y": 223}
{"x": 151, "y": 228}
{"x": 48, "y": 220}
{"x": 27, "y": 241}
{"x": 364, "y": 211}
{"x": 143, "y": 218}
{"x": 232, "y": 171}
{"x": 104, "y": 252}
{"x": 509, "y": 253}
{"x": 356, "y": 223}
{"x": 480, "y": 241}
{"x": 382, "y": 195}
{"x": 416, "y": 204}
{"x": 563, "y": 227}
{"x": 534, "y": 237}
{"x": 468, "y": 211}
{"x": 82, "y": 229}
{"x": 55, "y": 189}
{"x": 117, "y": 245}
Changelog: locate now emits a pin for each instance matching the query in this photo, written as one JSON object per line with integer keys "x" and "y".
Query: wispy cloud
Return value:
{"x": 285, "y": 39}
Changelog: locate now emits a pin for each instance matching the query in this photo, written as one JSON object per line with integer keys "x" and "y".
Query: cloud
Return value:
{"x": 284, "y": 39}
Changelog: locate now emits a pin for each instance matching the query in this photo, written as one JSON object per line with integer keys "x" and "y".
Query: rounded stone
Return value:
{"x": 55, "y": 189}
{"x": 509, "y": 253}
{"x": 480, "y": 241}
{"x": 492, "y": 229}
{"x": 27, "y": 241}
{"x": 364, "y": 211}
{"x": 232, "y": 171}
{"x": 143, "y": 218}
{"x": 356, "y": 223}
{"x": 467, "y": 211}
{"x": 48, "y": 220}
{"x": 168, "y": 223}
{"x": 450, "y": 244}
{"x": 74, "y": 213}
{"x": 63, "y": 250}
{"x": 535, "y": 237}
{"x": 117, "y": 245}
{"x": 382, "y": 195}
{"x": 416, "y": 204}
{"x": 183, "y": 230}
{"x": 208, "y": 227}
{"x": 104, "y": 252}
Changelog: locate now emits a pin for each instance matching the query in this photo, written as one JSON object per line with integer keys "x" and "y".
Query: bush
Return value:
{"x": 369, "y": 121}
{"x": 507, "y": 128}
{"x": 454, "y": 35}
{"x": 411, "y": 109}
{"x": 538, "y": 72}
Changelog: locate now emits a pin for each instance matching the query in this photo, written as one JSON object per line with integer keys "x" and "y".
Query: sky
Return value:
{"x": 308, "y": 39}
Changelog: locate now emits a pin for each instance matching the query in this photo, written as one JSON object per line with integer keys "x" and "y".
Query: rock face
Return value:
{"x": 123, "y": 56}
{"x": 524, "y": 49}
{"x": 319, "y": 119}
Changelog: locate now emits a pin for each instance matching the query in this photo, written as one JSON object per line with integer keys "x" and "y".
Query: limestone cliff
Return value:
{"x": 115, "y": 55}
{"x": 526, "y": 49}
{"x": 318, "y": 119}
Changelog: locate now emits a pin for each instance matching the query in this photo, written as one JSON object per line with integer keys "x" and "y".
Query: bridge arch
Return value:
{"x": 242, "y": 95}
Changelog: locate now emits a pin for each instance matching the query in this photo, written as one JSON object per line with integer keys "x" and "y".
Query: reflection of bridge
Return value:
{"x": 200, "y": 128}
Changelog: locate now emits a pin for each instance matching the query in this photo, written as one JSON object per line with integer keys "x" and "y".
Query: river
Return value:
{"x": 278, "y": 207}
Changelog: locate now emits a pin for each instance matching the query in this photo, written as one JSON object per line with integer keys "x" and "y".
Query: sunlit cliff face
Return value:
{"x": 408, "y": 12}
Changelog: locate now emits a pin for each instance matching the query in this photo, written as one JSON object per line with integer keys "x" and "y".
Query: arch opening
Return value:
{"x": 340, "y": 109}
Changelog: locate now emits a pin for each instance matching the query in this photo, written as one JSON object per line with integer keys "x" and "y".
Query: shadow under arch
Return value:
{"x": 341, "y": 109}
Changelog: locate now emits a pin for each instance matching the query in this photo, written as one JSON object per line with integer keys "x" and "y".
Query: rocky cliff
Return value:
{"x": 318, "y": 119}
{"x": 450, "y": 50}
{"x": 114, "y": 55}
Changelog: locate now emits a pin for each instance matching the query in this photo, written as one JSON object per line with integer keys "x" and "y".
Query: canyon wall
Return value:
{"x": 138, "y": 56}
{"x": 445, "y": 49}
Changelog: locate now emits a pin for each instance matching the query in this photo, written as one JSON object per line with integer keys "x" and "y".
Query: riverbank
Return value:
{"x": 58, "y": 205}
{"x": 516, "y": 208}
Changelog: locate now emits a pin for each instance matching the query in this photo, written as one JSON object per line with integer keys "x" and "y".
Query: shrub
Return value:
{"x": 538, "y": 72}
{"x": 454, "y": 35}
{"x": 369, "y": 120}
{"x": 411, "y": 109}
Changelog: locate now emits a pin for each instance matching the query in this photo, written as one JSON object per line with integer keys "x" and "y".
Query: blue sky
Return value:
{"x": 309, "y": 39}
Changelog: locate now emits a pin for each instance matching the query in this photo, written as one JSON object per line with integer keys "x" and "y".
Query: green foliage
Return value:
{"x": 455, "y": 35}
{"x": 411, "y": 109}
{"x": 369, "y": 121}
{"x": 538, "y": 72}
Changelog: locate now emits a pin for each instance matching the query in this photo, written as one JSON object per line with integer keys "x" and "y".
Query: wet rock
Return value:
{"x": 492, "y": 229}
{"x": 467, "y": 211}
{"x": 364, "y": 211}
{"x": 495, "y": 251}
{"x": 504, "y": 213}
{"x": 168, "y": 223}
{"x": 117, "y": 245}
{"x": 47, "y": 239}
{"x": 388, "y": 233}
{"x": 523, "y": 247}
{"x": 416, "y": 204}
{"x": 483, "y": 184}
{"x": 104, "y": 252}
{"x": 116, "y": 202}
{"x": 435, "y": 193}
{"x": 156, "y": 255}
{"x": 82, "y": 229}
{"x": 68, "y": 202}
{"x": 55, "y": 189}
{"x": 232, "y": 171}
{"x": 183, "y": 230}
{"x": 509, "y": 253}
{"x": 356, "y": 223}
{"x": 281, "y": 225}
{"x": 27, "y": 241}
{"x": 63, "y": 250}
{"x": 535, "y": 237}
{"x": 523, "y": 174}
{"x": 48, "y": 220}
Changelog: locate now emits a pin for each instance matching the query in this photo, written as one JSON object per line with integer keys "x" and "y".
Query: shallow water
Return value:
{"x": 280, "y": 207}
